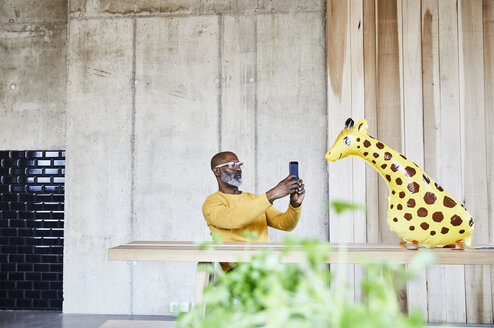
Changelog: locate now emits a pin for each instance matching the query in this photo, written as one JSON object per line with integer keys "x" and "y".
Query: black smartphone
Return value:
{"x": 294, "y": 169}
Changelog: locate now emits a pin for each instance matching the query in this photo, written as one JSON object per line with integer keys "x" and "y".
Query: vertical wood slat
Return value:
{"x": 340, "y": 73}
{"x": 488, "y": 34}
{"x": 238, "y": 85}
{"x": 478, "y": 278}
{"x": 358, "y": 109}
{"x": 370, "y": 93}
{"x": 413, "y": 117}
{"x": 388, "y": 97}
{"x": 447, "y": 297}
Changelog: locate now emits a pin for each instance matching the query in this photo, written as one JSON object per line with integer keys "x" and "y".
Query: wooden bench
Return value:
{"x": 188, "y": 251}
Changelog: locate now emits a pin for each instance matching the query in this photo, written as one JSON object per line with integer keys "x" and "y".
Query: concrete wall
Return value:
{"x": 154, "y": 90}
{"x": 32, "y": 74}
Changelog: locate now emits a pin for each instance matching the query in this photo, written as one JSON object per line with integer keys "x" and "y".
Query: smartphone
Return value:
{"x": 294, "y": 169}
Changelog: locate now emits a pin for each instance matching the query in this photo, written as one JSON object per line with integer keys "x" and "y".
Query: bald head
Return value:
{"x": 222, "y": 157}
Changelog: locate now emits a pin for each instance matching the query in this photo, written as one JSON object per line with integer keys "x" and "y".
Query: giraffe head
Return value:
{"x": 346, "y": 145}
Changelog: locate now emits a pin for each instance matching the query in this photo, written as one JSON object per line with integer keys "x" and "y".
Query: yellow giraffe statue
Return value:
{"x": 419, "y": 210}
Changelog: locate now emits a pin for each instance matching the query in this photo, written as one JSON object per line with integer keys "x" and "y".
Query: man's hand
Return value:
{"x": 286, "y": 187}
{"x": 297, "y": 197}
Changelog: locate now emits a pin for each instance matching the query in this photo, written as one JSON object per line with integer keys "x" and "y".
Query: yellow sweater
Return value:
{"x": 230, "y": 215}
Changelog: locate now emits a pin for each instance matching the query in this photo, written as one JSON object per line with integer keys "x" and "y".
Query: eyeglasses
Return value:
{"x": 231, "y": 165}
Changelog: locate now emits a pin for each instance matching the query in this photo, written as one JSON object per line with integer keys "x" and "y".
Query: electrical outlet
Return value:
{"x": 174, "y": 307}
{"x": 177, "y": 307}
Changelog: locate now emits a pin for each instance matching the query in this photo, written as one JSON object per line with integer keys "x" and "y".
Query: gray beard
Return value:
{"x": 230, "y": 179}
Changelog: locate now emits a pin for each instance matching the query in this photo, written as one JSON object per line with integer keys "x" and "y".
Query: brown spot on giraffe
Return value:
{"x": 387, "y": 156}
{"x": 411, "y": 203}
{"x": 410, "y": 171}
{"x": 403, "y": 156}
{"x": 367, "y": 143}
{"x": 391, "y": 206}
{"x": 358, "y": 139}
{"x": 376, "y": 155}
{"x": 426, "y": 178}
{"x": 456, "y": 220}
{"x": 366, "y": 153}
{"x": 437, "y": 216}
{"x": 424, "y": 225}
{"x": 430, "y": 198}
{"x": 438, "y": 187}
{"x": 388, "y": 177}
{"x": 394, "y": 167}
{"x": 408, "y": 216}
{"x": 471, "y": 222}
{"x": 399, "y": 207}
{"x": 384, "y": 166}
{"x": 448, "y": 202}
{"x": 395, "y": 220}
{"x": 422, "y": 212}
{"x": 399, "y": 182}
{"x": 461, "y": 231}
{"x": 393, "y": 192}
{"x": 412, "y": 228}
{"x": 433, "y": 232}
{"x": 444, "y": 230}
{"x": 402, "y": 194}
{"x": 373, "y": 161}
{"x": 413, "y": 187}
{"x": 379, "y": 145}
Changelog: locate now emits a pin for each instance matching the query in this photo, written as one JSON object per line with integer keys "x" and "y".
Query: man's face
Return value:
{"x": 233, "y": 177}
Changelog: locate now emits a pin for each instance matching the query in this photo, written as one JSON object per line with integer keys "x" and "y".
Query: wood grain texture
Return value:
{"x": 447, "y": 297}
{"x": 478, "y": 278}
{"x": 388, "y": 97}
{"x": 370, "y": 94}
{"x": 488, "y": 40}
{"x": 188, "y": 251}
{"x": 411, "y": 51}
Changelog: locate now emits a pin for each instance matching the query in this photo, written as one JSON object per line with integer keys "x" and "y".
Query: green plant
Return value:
{"x": 268, "y": 293}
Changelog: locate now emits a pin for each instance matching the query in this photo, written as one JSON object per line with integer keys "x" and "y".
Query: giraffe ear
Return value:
{"x": 362, "y": 126}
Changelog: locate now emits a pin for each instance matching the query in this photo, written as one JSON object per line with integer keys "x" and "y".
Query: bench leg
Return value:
{"x": 203, "y": 278}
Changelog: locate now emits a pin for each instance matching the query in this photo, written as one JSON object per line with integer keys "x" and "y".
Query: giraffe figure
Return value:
{"x": 419, "y": 210}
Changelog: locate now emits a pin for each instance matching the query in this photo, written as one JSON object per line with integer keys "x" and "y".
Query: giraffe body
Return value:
{"x": 419, "y": 210}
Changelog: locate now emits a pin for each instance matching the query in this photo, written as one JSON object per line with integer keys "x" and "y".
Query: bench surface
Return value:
{"x": 189, "y": 251}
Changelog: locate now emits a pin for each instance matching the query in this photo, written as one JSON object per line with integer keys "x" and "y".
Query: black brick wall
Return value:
{"x": 31, "y": 229}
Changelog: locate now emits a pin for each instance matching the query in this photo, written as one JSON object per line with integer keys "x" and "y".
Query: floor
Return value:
{"x": 47, "y": 319}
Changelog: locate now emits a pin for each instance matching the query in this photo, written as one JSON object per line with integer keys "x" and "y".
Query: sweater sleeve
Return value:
{"x": 283, "y": 221}
{"x": 217, "y": 212}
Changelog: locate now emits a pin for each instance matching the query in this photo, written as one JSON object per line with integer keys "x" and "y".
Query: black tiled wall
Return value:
{"x": 31, "y": 229}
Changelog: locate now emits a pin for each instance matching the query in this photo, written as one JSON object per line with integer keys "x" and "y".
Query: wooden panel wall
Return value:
{"x": 426, "y": 90}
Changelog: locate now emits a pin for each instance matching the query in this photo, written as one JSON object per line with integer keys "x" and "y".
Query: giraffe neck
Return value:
{"x": 394, "y": 167}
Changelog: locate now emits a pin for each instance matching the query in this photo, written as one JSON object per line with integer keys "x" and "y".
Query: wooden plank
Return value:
{"x": 358, "y": 110}
{"x": 388, "y": 97}
{"x": 341, "y": 179}
{"x": 291, "y": 96}
{"x": 488, "y": 25}
{"x": 446, "y": 286}
{"x": 238, "y": 93}
{"x": 231, "y": 252}
{"x": 370, "y": 93}
{"x": 413, "y": 117}
{"x": 478, "y": 278}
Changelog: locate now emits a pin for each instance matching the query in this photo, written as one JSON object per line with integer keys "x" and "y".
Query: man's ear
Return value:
{"x": 216, "y": 171}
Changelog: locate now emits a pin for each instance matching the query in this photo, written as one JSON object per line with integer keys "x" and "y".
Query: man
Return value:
{"x": 231, "y": 212}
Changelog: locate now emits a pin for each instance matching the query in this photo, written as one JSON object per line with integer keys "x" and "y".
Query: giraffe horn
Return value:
{"x": 349, "y": 123}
